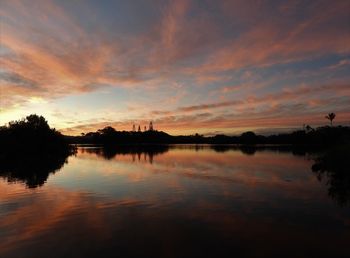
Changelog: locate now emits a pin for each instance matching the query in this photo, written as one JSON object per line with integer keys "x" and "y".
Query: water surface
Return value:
{"x": 173, "y": 201}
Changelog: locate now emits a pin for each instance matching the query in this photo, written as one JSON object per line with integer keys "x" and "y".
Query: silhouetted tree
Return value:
{"x": 330, "y": 117}
{"x": 108, "y": 130}
{"x": 248, "y": 138}
{"x": 31, "y": 136}
{"x": 31, "y": 150}
{"x": 308, "y": 128}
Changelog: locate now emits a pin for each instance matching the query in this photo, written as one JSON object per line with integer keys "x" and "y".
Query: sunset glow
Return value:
{"x": 207, "y": 67}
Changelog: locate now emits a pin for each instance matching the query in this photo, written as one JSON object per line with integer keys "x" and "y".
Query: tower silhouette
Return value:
{"x": 134, "y": 128}
{"x": 139, "y": 129}
{"x": 151, "y": 126}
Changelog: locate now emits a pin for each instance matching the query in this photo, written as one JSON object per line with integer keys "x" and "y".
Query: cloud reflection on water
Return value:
{"x": 185, "y": 202}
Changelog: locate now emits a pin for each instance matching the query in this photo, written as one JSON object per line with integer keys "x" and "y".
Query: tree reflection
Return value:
{"x": 333, "y": 168}
{"x": 32, "y": 170}
{"x": 138, "y": 152}
{"x": 245, "y": 149}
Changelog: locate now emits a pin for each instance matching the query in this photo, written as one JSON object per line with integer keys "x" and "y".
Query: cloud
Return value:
{"x": 209, "y": 106}
{"x": 224, "y": 55}
{"x": 270, "y": 110}
{"x": 274, "y": 39}
{"x": 284, "y": 95}
{"x": 48, "y": 49}
{"x": 341, "y": 63}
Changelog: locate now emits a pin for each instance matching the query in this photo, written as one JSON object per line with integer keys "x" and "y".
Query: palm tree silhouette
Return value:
{"x": 330, "y": 117}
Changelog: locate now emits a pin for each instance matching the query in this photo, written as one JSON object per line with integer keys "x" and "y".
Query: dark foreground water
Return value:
{"x": 182, "y": 201}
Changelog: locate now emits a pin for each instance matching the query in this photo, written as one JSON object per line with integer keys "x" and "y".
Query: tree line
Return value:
{"x": 320, "y": 136}
{"x": 33, "y": 134}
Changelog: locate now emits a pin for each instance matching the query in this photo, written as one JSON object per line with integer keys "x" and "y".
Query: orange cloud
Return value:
{"x": 273, "y": 40}
{"x": 269, "y": 110}
{"x": 49, "y": 53}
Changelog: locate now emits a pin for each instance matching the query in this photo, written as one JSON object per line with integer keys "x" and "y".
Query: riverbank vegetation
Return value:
{"x": 325, "y": 136}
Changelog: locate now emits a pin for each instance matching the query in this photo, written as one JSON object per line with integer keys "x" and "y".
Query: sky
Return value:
{"x": 208, "y": 67}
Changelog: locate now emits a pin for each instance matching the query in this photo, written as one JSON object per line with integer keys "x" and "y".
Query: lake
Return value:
{"x": 174, "y": 201}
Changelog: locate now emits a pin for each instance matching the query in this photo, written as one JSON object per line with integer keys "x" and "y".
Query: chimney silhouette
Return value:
{"x": 151, "y": 126}
{"x": 139, "y": 130}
